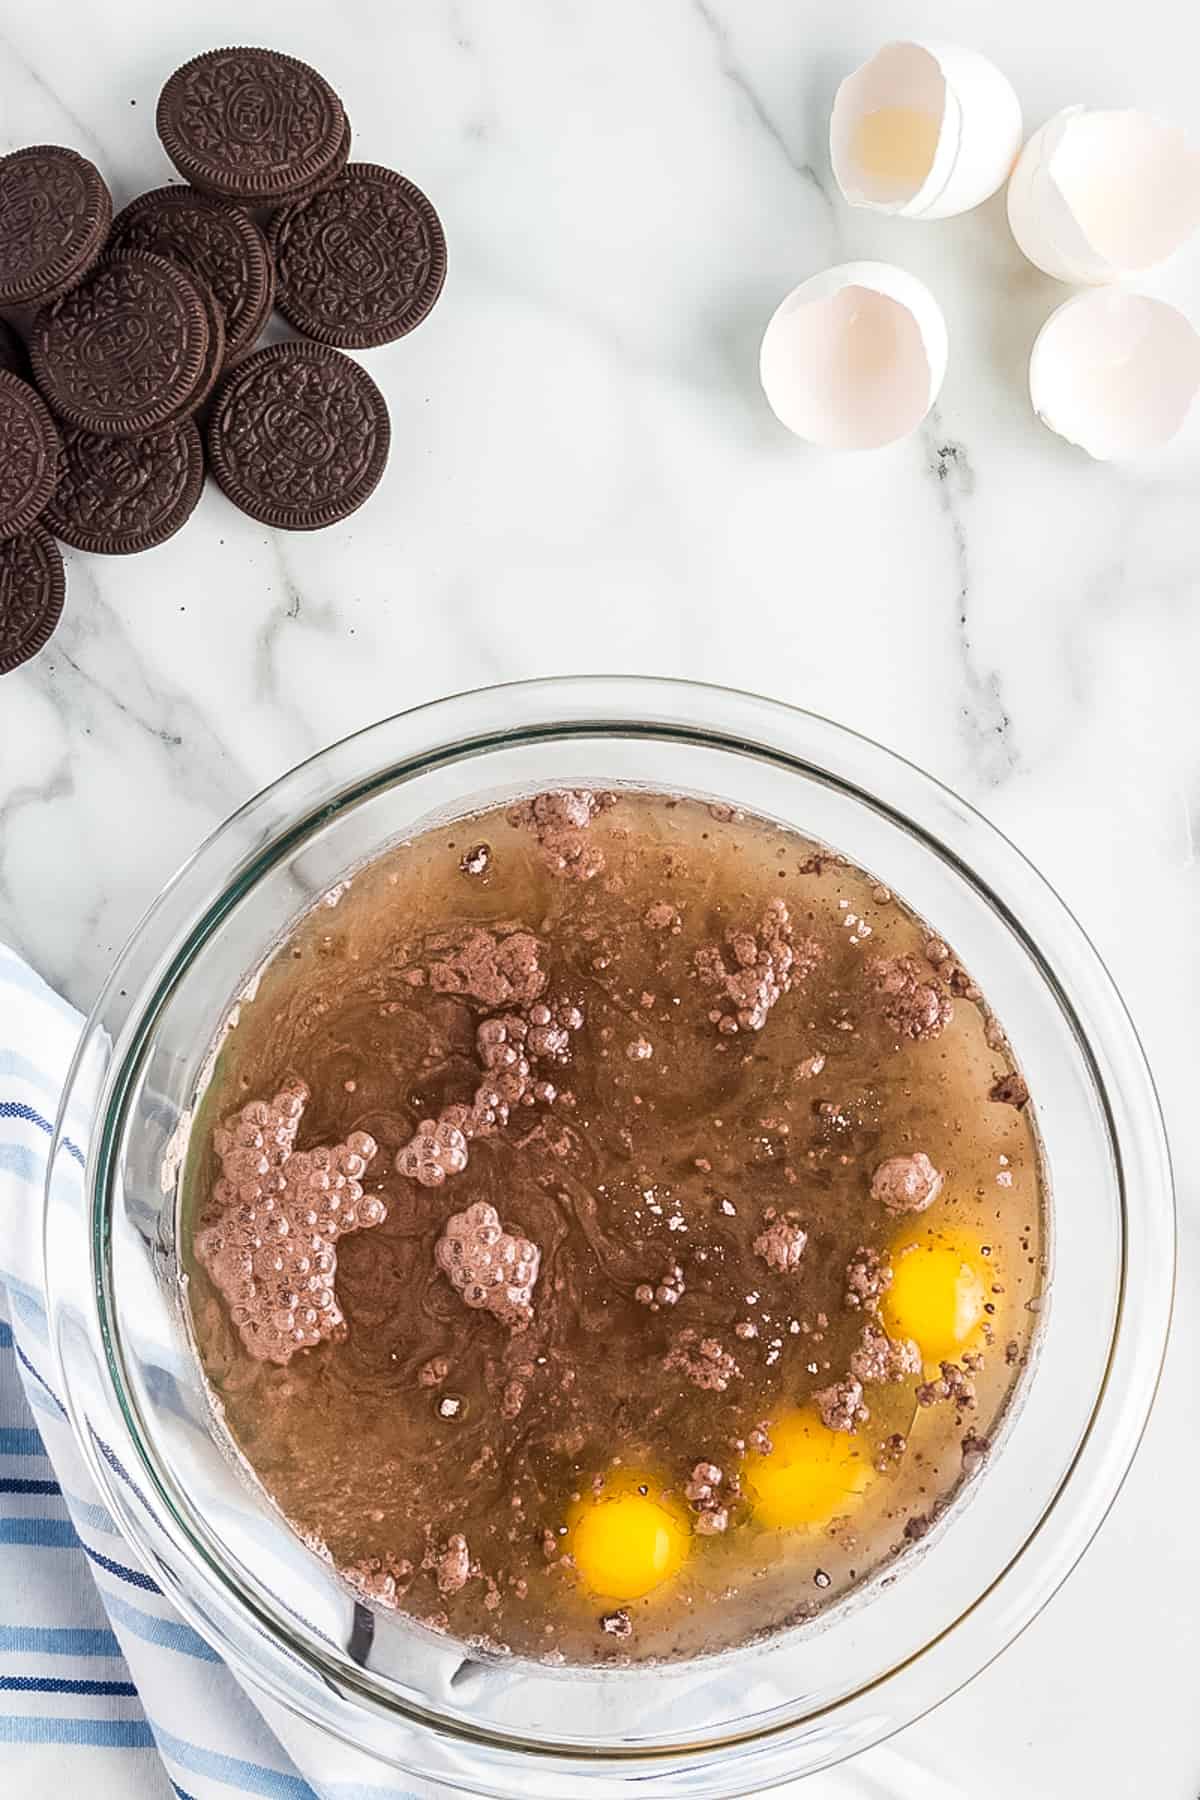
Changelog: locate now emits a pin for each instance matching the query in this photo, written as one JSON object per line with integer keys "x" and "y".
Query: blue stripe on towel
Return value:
{"x": 20, "y": 1440}
{"x": 56, "y": 1640}
{"x": 40, "y": 1533}
{"x": 171, "y": 1634}
{"x": 62, "y": 1684}
{"x": 135, "y": 1577}
{"x": 109, "y": 1734}
{"x": 273, "y": 1783}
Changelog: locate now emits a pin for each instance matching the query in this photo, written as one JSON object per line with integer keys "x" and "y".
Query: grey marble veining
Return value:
{"x": 584, "y": 476}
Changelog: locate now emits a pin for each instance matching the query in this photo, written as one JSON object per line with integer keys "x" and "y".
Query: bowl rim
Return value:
{"x": 593, "y": 698}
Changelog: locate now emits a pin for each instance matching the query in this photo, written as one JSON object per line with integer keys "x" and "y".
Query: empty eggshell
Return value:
{"x": 924, "y": 130}
{"x": 1115, "y": 373}
{"x": 1097, "y": 195}
{"x": 855, "y": 357}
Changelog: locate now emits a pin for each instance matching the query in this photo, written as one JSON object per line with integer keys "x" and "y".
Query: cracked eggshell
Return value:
{"x": 924, "y": 131}
{"x": 1100, "y": 195}
{"x": 1115, "y": 373}
{"x": 855, "y": 357}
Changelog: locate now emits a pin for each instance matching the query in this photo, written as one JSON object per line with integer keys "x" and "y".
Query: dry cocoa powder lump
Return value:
{"x": 906, "y": 1184}
{"x": 841, "y": 1405}
{"x": 911, "y": 1004}
{"x": 880, "y": 1358}
{"x": 268, "y": 1235}
{"x": 782, "y": 1245}
{"x": 488, "y": 1264}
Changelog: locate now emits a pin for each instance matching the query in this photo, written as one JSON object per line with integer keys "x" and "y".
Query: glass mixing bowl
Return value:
{"x": 730, "y": 1725}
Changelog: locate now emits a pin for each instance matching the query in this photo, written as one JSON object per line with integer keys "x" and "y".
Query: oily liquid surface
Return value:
{"x": 650, "y": 1169}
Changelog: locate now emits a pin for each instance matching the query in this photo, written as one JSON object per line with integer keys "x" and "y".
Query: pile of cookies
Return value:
{"x": 123, "y": 333}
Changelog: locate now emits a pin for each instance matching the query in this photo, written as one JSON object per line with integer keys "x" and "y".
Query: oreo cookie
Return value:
{"x": 253, "y": 125}
{"x": 214, "y": 241}
{"x": 360, "y": 263}
{"x": 117, "y": 496}
{"x": 128, "y": 352}
{"x": 30, "y": 448}
{"x": 214, "y": 356}
{"x": 55, "y": 211}
{"x": 298, "y": 436}
{"x": 327, "y": 176}
{"x": 32, "y": 590}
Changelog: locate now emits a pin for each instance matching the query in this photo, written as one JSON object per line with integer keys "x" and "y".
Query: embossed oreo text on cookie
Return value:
{"x": 254, "y": 125}
{"x": 361, "y": 263}
{"x": 298, "y": 436}
{"x": 29, "y": 453}
{"x": 211, "y": 239}
{"x": 117, "y": 496}
{"x": 32, "y": 588}
{"x": 128, "y": 351}
{"x": 55, "y": 211}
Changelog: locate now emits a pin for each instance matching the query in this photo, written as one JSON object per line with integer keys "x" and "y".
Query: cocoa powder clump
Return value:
{"x": 753, "y": 969}
{"x": 910, "y": 1005}
{"x": 490, "y": 1266}
{"x": 906, "y": 1184}
{"x": 841, "y": 1405}
{"x": 703, "y": 1361}
{"x": 868, "y": 1277}
{"x": 782, "y": 1245}
{"x": 1010, "y": 1090}
{"x": 495, "y": 970}
{"x": 559, "y": 822}
{"x": 880, "y": 1358}
{"x": 267, "y": 1236}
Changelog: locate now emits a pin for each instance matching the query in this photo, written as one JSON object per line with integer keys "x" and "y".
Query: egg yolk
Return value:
{"x": 811, "y": 1474}
{"x": 937, "y": 1296}
{"x": 626, "y": 1543}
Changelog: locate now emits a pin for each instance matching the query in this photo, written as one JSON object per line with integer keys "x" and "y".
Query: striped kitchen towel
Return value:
{"x": 104, "y": 1690}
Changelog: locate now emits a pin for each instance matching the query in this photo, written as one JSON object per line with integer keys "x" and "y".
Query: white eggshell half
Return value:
{"x": 924, "y": 130}
{"x": 1098, "y": 195}
{"x": 855, "y": 357}
{"x": 1115, "y": 373}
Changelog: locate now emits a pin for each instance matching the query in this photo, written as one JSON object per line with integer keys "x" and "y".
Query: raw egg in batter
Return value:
{"x": 938, "y": 1294}
{"x": 627, "y": 1540}
{"x": 810, "y": 1475}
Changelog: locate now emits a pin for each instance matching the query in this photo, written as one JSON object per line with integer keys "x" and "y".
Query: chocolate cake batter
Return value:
{"x": 591, "y": 1189}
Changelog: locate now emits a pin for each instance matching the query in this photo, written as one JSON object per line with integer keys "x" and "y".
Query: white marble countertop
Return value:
{"x": 584, "y": 476}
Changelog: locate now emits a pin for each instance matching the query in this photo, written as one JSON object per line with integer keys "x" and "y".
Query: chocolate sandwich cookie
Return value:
{"x": 12, "y": 351}
{"x": 55, "y": 211}
{"x": 212, "y": 240}
{"x": 327, "y": 176}
{"x": 117, "y": 496}
{"x": 298, "y": 436}
{"x": 32, "y": 590}
{"x": 30, "y": 448}
{"x": 129, "y": 351}
{"x": 253, "y": 125}
{"x": 214, "y": 356}
{"x": 360, "y": 263}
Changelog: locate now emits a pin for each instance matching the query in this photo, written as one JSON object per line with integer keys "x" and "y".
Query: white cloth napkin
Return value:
{"x": 104, "y": 1690}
